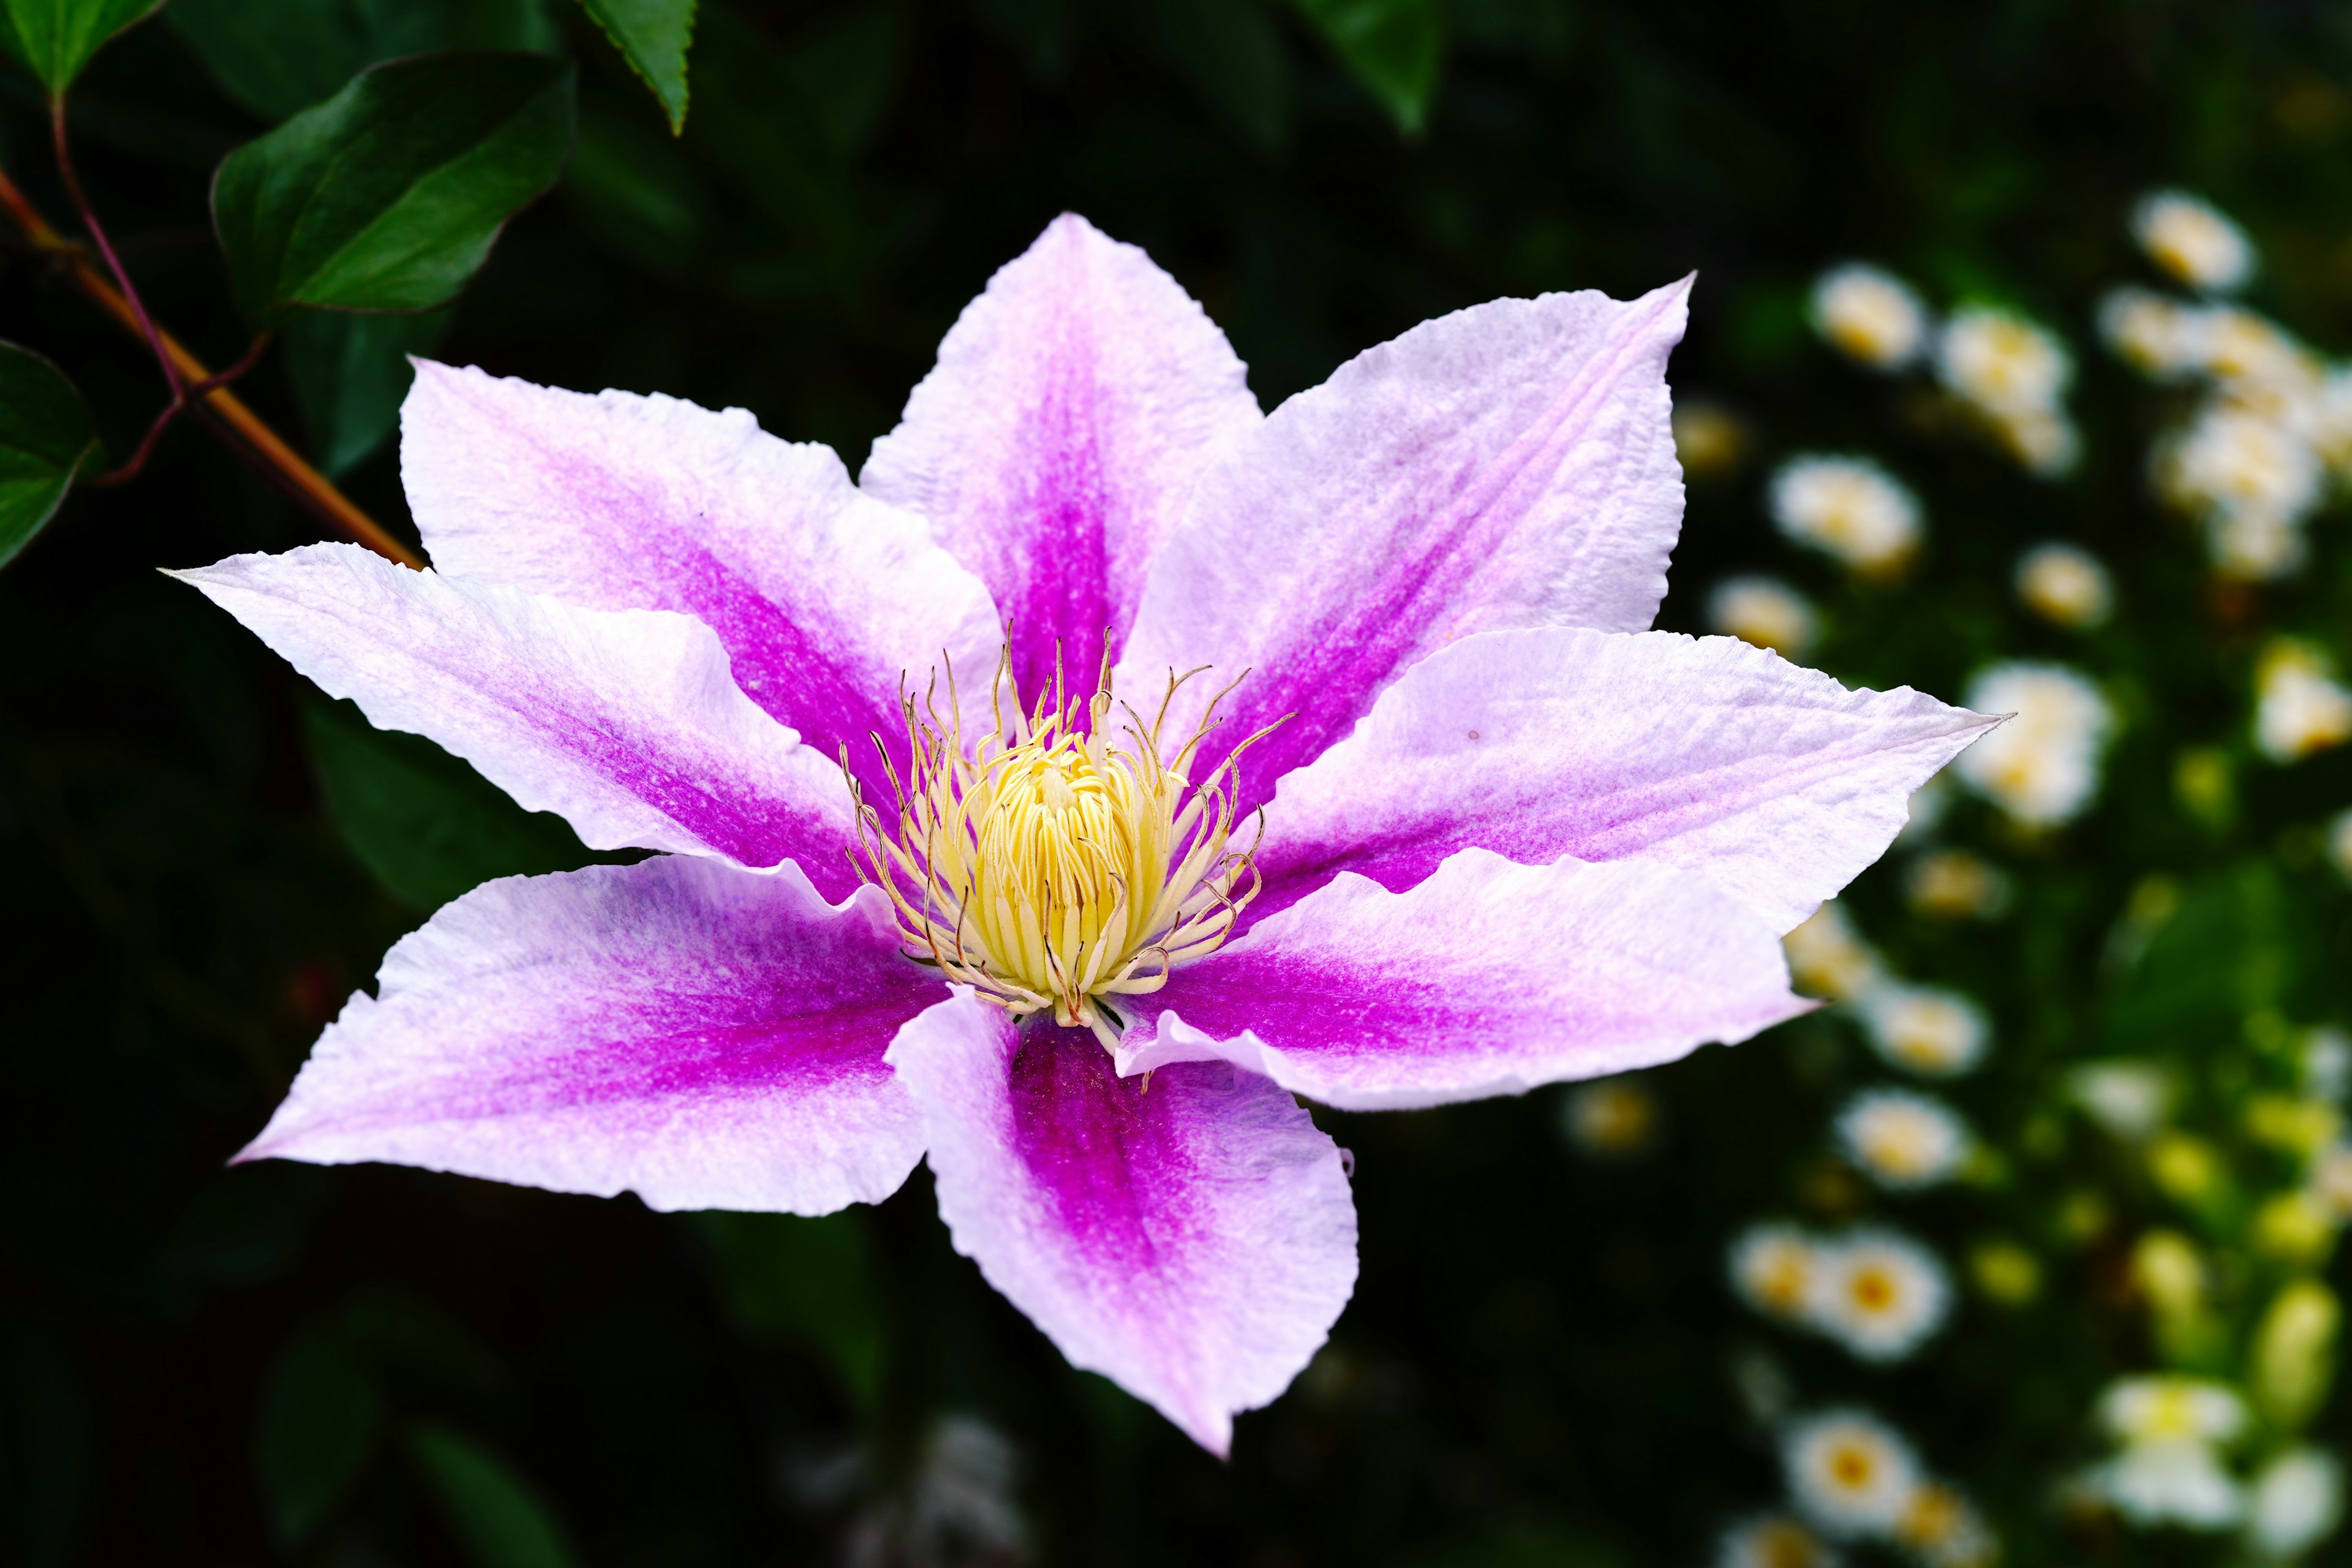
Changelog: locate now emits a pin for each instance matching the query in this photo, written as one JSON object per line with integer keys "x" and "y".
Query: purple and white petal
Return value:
{"x": 1510, "y": 465}
{"x": 1193, "y": 1240}
{"x": 1489, "y": 978}
{"x": 1055, "y": 444}
{"x": 822, "y": 597}
{"x": 626, "y": 722}
{"x": 1706, "y": 754}
{"x": 704, "y": 1036}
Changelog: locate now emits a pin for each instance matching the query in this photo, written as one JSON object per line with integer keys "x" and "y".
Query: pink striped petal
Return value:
{"x": 1706, "y": 754}
{"x": 822, "y": 598}
{"x": 1194, "y": 1242}
{"x": 1488, "y": 978}
{"x": 626, "y": 723}
{"x": 703, "y": 1037}
{"x": 1506, "y": 466}
{"x": 1055, "y": 444}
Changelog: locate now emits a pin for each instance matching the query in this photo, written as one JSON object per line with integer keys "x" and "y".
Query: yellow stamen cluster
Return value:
{"x": 1050, "y": 867}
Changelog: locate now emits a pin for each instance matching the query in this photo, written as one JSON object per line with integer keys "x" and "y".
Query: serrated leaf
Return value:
{"x": 350, "y": 373}
{"x": 428, "y": 827}
{"x": 494, "y": 1514}
{"x": 47, "y": 440}
{"x": 1392, "y": 46}
{"x": 389, "y": 195}
{"x": 318, "y": 1422}
{"x": 277, "y": 56}
{"x": 653, "y": 35}
{"x": 55, "y": 38}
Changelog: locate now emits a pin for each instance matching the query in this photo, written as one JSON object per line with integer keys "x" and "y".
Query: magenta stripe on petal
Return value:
{"x": 1488, "y": 978}
{"x": 705, "y": 1037}
{"x": 825, "y": 599}
{"x": 1509, "y": 465}
{"x": 1193, "y": 1242}
{"x": 1061, "y": 433}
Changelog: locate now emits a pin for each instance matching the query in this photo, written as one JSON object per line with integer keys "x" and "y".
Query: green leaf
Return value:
{"x": 653, "y": 35}
{"x": 1231, "y": 53}
{"x": 275, "y": 57}
{"x": 46, "y": 440}
{"x": 55, "y": 38}
{"x": 1394, "y": 46}
{"x": 349, "y": 373}
{"x": 810, "y": 1279}
{"x": 389, "y": 195}
{"x": 318, "y": 1422}
{"x": 494, "y": 1513}
{"x": 428, "y": 827}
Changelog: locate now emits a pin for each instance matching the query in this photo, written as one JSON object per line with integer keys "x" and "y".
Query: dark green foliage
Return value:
{"x": 318, "y": 1422}
{"x": 47, "y": 442}
{"x": 494, "y": 1513}
{"x": 653, "y": 35}
{"x": 55, "y": 40}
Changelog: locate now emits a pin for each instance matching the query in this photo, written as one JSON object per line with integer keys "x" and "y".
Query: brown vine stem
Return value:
{"x": 256, "y": 440}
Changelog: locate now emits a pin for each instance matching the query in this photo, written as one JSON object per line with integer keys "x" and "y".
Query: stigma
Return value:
{"x": 1063, "y": 859}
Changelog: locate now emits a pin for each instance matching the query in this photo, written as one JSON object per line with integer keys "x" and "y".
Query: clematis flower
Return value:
{"x": 1110, "y": 765}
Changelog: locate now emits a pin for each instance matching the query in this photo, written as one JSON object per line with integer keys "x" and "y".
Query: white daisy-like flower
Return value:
{"x": 2171, "y": 1407}
{"x": 2002, "y": 362}
{"x": 1954, "y": 885}
{"x": 2044, "y": 440}
{"x": 2130, "y": 1099}
{"x": 1944, "y": 1530}
{"x": 2244, "y": 349}
{"x": 1924, "y": 1029}
{"x": 2254, "y": 545}
{"x": 2232, "y": 459}
{"x": 1773, "y": 1541}
{"x": 1878, "y": 1293}
{"x": 1852, "y": 1474}
{"x": 1827, "y": 958}
{"x": 2042, "y": 766}
{"x": 1869, "y": 314}
{"x": 2065, "y": 585}
{"x": 1766, "y": 612}
{"x": 2192, "y": 240}
{"x": 1903, "y": 1141}
{"x": 1611, "y": 1119}
{"x": 2339, "y": 843}
{"x": 1848, "y": 508}
{"x": 2173, "y": 1481}
{"x": 2295, "y": 1503}
{"x": 2299, "y": 709}
{"x": 1773, "y": 1269}
{"x": 2156, "y": 336}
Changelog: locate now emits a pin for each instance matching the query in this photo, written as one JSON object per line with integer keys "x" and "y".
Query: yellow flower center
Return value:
{"x": 1051, "y": 865}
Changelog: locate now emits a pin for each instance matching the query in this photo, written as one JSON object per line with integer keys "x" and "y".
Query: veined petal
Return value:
{"x": 1509, "y": 465}
{"x": 1193, "y": 1242}
{"x": 822, "y": 597}
{"x": 626, "y": 722}
{"x": 1056, "y": 441}
{"x": 704, "y": 1036}
{"x": 1706, "y": 754}
{"x": 1489, "y": 978}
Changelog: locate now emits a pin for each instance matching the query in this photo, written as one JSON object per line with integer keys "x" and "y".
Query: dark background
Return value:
{"x": 1538, "y": 1364}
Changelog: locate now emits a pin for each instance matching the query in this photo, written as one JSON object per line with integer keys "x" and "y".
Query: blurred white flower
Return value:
{"x": 2042, "y": 766}
{"x": 2042, "y": 440}
{"x": 1826, "y": 958}
{"x": 2296, "y": 1503}
{"x": 2190, "y": 238}
{"x": 958, "y": 1507}
{"x": 1766, "y": 612}
{"x": 1923, "y": 1029}
{"x": 1952, "y": 884}
{"x": 2244, "y": 351}
{"x": 2327, "y": 1051}
{"x": 2171, "y": 1406}
{"x": 2172, "y": 1481}
{"x": 2130, "y": 1099}
{"x": 2298, "y": 709}
{"x": 2156, "y": 336}
{"x": 2065, "y": 585}
{"x": 1611, "y": 1119}
{"x": 1944, "y": 1530}
{"x": 2253, "y": 545}
{"x": 1773, "y": 1269}
{"x": 2002, "y": 362}
{"x": 1878, "y": 1293}
{"x": 1772, "y": 1541}
{"x": 2231, "y": 459}
{"x": 1849, "y": 1473}
{"x": 2339, "y": 843}
{"x": 1848, "y": 508}
{"x": 1870, "y": 315}
{"x": 1903, "y": 1141}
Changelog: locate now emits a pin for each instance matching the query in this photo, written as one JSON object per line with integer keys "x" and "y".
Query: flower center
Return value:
{"x": 1050, "y": 865}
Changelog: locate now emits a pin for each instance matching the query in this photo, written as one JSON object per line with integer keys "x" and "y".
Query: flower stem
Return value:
{"x": 218, "y": 409}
